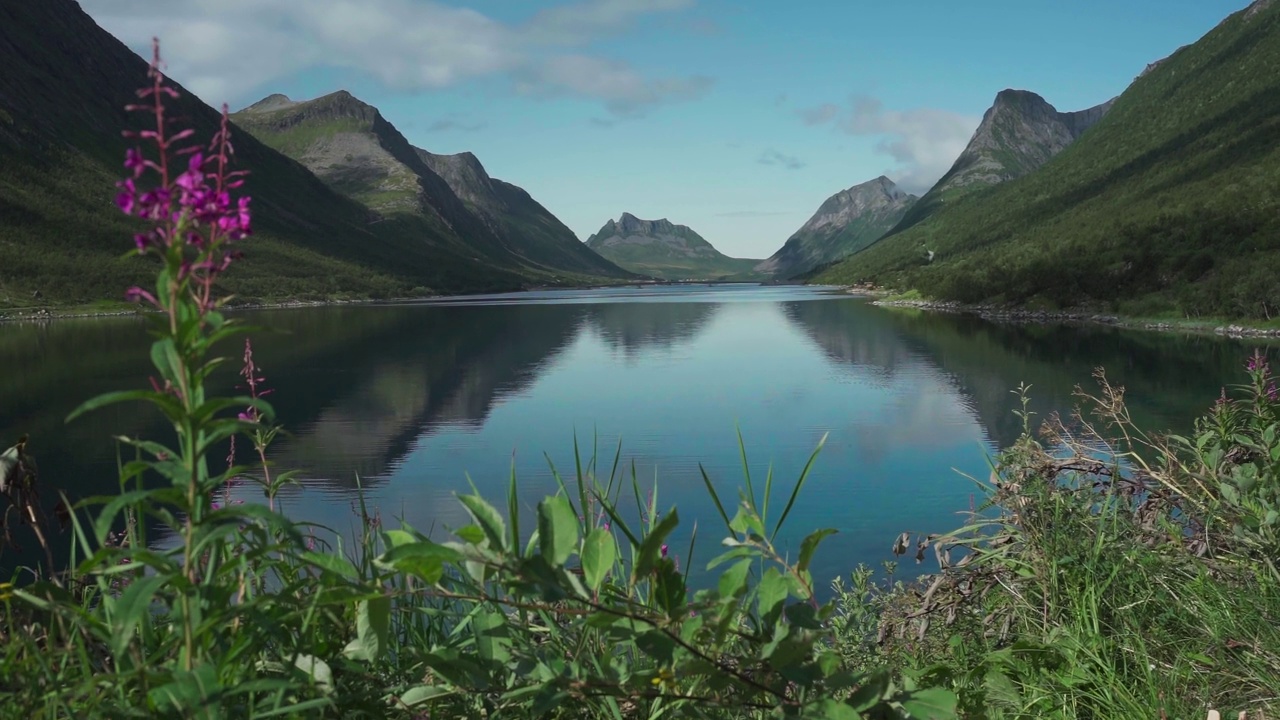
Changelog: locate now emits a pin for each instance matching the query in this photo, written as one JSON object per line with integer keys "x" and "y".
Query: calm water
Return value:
{"x": 414, "y": 399}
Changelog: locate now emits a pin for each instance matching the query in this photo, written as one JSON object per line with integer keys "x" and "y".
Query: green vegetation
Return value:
{"x": 844, "y": 224}
{"x": 664, "y": 250}
{"x": 682, "y": 268}
{"x": 1135, "y": 583}
{"x": 1168, "y": 204}
{"x": 295, "y": 140}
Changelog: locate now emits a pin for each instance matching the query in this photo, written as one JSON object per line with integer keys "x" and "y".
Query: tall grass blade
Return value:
{"x": 795, "y": 491}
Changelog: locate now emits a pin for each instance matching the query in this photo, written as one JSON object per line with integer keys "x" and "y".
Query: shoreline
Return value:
{"x": 50, "y": 313}
{"x": 1020, "y": 316}
{"x": 879, "y": 297}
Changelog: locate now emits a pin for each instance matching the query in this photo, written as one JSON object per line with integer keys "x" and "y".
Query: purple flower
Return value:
{"x": 133, "y": 162}
{"x": 1273, "y": 394}
{"x": 137, "y": 294}
{"x": 664, "y": 550}
{"x": 127, "y": 198}
{"x": 1257, "y": 363}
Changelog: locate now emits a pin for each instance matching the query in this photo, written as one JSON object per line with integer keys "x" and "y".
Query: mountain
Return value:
{"x": 1018, "y": 133}
{"x": 350, "y": 145}
{"x": 660, "y": 249}
{"x": 62, "y": 93}
{"x": 847, "y": 222}
{"x": 527, "y": 228}
{"x": 1170, "y": 204}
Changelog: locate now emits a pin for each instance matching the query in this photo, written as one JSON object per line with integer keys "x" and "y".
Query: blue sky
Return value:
{"x": 735, "y": 118}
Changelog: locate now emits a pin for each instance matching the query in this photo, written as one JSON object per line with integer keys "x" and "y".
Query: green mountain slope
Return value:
{"x": 1171, "y": 203}
{"x": 527, "y": 228}
{"x": 661, "y": 249}
{"x": 62, "y": 92}
{"x": 350, "y": 145}
{"x": 847, "y": 222}
{"x": 1019, "y": 133}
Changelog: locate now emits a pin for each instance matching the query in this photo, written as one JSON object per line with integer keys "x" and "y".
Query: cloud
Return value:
{"x": 924, "y": 142}
{"x": 230, "y": 49}
{"x": 624, "y": 92}
{"x": 454, "y": 123}
{"x": 773, "y": 157}
{"x": 780, "y": 100}
{"x": 818, "y": 115}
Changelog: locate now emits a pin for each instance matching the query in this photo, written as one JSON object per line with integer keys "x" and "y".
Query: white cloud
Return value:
{"x": 232, "y": 49}
{"x": 773, "y": 157}
{"x": 924, "y": 142}
{"x": 622, "y": 90}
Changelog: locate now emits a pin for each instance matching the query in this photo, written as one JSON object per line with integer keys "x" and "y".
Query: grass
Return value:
{"x": 1169, "y": 201}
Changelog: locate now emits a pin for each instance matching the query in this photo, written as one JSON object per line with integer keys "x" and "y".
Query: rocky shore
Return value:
{"x": 1016, "y": 315}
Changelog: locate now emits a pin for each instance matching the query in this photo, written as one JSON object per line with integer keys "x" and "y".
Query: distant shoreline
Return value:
{"x": 1022, "y": 316}
{"x": 49, "y": 313}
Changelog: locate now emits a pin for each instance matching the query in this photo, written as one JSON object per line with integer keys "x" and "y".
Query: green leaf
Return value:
{"x": 598, "y": 555}
{"x": 167, "y": 403}
{"x": 317, "y": 669}
{"x": 734, "y": 580}
{"x": 557, "y": 529}
{"x": 129, "y": 609}
{"x": 651, "y": 546}
{"x": 332, "y": 563}
{"x": 492, "y": 635}
{"x": 930, "y": 704}
{"x": 795, "y": 491}
{"x": 470, "y": 534}
{"x": 189, "y": 692}
{"x": 495, "y": 530}
{"x": 421, "y": 558}
{"x": 873, "y": 689}
{"x": 421, "y": 694}
{"x": 828, "y": 709}
{"x": 373, "y": 625}
{"x": 770, "y": 595}
{"x": 810, "y": 544}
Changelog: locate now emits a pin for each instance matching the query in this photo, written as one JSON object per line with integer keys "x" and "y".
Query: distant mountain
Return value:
{"x": 62, "y": 95}
{"x": 352, "y": 147}
{"x": 1019, "y": 133}
{"x": 847, "y": 222}
{"x": 1169, "y": 204}
{"x": 526, "y": 228}
{"x": 661, "y": 249}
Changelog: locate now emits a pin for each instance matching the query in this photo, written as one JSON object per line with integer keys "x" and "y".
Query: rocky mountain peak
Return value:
{"x": 270, "y": 103}
{"x": 845, "y": 223}
{"x": 629, "y": 224}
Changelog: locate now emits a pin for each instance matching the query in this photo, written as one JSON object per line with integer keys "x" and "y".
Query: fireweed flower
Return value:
{"x": 193, "y": 215}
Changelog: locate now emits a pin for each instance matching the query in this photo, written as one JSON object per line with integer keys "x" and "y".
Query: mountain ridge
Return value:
{"x": 1019, "y": 133}
{"x": 1169, "y": 205}
{"x": 846, "y": 222}
{"x": 350, "y": 145}
{"x": 62, "y": 99}
{"x": 665, "y": 250}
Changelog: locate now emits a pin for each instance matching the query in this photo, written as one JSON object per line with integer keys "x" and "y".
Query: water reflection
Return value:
{"x": 412, "y": 401}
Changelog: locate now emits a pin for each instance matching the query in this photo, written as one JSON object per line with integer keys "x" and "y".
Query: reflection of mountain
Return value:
{"x": 631, "y": 327}
{"x": 1169, "y": 378}
{"x": 429, "y": 368}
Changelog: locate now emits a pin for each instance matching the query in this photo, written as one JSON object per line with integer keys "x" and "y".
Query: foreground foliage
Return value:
{"x": 1114, "y": 573}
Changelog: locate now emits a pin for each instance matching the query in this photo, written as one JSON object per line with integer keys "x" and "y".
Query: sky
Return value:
{"x": 734, "y": 117}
